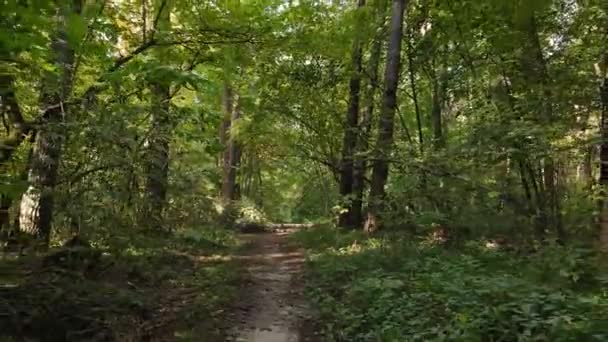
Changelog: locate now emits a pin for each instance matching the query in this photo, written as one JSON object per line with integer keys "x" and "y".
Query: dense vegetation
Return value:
{"x": 458, "y": 147}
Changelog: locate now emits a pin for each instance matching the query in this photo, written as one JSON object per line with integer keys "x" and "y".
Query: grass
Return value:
{"x": 395, "y": 288}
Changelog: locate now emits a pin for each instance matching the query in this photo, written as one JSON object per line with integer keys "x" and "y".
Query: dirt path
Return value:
{"x": 272, "y": 307}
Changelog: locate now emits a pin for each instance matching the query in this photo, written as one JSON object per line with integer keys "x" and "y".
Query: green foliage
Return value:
{"x": 392, "y": 289}
{"x": 150, "y": 286}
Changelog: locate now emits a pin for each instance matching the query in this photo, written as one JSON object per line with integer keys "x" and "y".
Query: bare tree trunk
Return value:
{"x": 351, "y": 127}
{"x": 157, "y": 154}
{"x": 603, "y": 217}
{"x": 231, "y": 155}
{"x": 436, "y": 108}
{"x": 386, "y": 123}
{"x": 412, "y": 77}
{"x": 36, "y": 210}
{"x": 230, "y": 187}
{"x": 224, "y": 139}
{"x": 535, "y": 65}
{"x": 157, "y": 157}
{"x": 586, "y": 167}
{"x": 361, "y": 155}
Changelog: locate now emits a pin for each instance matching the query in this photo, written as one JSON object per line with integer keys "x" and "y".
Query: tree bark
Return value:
{"x": 157, "y": 153}
{"x": 36, "y": 209}
{"x": 603, "y": 181}
{"x": 436, "y": 109}
{"x": 231, "y": 155}
{"x": 535, "y": 66}
{"x": 231, "y": 187}
{"x": 361, "y": 154}
{"x": 351, "y": 128}
{"x": 386, "y": 123}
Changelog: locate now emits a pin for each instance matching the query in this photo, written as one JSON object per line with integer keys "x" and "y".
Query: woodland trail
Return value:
{"x": 272, "y": 306}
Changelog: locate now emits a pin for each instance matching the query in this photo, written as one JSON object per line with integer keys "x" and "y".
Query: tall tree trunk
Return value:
{"x": 386, "y": 123}
{"x": 603, "y": 217}
{"x": 436, "y": 108}
{"x": 36, "y": 209}
{"x": 412, "y": 78}
{"x": 157, "y": 154}
{"x": 535, "y": 65}
{"x": 361, "y": 154}
{"x": 232, "y": 155}
{"x": 223, "y": 134}
{"x": 351, "y": 128}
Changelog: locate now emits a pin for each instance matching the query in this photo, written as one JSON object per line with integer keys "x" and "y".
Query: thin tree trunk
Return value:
{"x": 412, "y": 77}
{"x": 351, "y": 127}
{"x": 436, "y": 109}
{"x": 157, "y": 153}
{"x": 586, "y": 168}
{"x": 603, "y": 217}
{"x": 361, "y": 154}
{"x": 231, "y": 150}
{"x": 224, "y": 130}
{"x": 36, "y": 209}
{"x": 538, "y": 69}
{"x": 386, "y": 123}
{"x": 231, "y": 189}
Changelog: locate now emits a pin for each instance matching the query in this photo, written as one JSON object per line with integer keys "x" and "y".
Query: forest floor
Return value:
{"x": 271, "y": 306}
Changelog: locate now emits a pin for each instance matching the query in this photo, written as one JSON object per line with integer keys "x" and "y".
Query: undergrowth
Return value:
{"x": 130, "y": 290}
{"x": 391, "y": 288}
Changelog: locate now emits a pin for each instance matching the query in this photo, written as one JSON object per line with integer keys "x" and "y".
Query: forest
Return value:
{"x": 303, "y": 170}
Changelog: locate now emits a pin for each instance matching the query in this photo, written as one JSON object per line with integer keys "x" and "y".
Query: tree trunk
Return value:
{"x": 224, "y": 131}
{"x": 351, "y": 128}
{"x": 603, "y": 219}
{"x": 231, "y": 187}
{"x": 36, "y": 209}
{"x": 436, "y": 109}
{"x": 535, "y": 66}
{"x": 386, "y": 123}
{"x": 157, "y": 154}
{"x": 231, "y": 155}
{"x": 361, "y": 155}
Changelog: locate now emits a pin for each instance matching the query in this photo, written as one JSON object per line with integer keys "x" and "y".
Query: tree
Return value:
{"x": 603, "y": 178}
{"x": 365, "y": 124}
{"x": 384, "y": 142}
{"x": 36, "y": 210}
{"x": 231, "y": 156}
{"x": 157, "y": 154}
{"x": 348, "y": 218}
